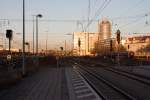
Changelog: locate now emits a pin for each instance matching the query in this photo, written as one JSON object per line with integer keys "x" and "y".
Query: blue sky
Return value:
{"x": 72, "y": 10}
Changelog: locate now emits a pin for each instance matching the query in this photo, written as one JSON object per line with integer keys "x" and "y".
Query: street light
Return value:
{"x": 37, "y": 16}
{"x": 33, "y": 35}
{"x": 46, "y": 42}
{"x": 23, "y": 41}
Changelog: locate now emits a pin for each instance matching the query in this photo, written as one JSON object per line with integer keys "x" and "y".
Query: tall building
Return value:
{"x": 90, "y": 43}
{"x": 104, "y": 29}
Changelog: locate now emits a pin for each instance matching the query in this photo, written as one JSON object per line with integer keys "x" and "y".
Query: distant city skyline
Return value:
{"x": 129, "y": 16}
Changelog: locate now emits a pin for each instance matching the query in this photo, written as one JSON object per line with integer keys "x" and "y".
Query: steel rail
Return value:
{"x": 133, "y": 76}
{"x": 118, "y": 90}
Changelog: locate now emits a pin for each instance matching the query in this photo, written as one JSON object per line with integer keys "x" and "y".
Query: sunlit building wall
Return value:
{"x": 104, "y": 47}
{"x": 87, "y": 43}
{"x": 93, "y": 38}
{"x": 138, "y": 44}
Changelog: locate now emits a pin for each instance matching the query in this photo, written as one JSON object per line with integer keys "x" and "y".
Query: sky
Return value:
{"x": 124, "y": 15}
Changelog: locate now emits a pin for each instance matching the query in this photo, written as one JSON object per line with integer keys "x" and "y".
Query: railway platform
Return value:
{"x": 51, "y": 83}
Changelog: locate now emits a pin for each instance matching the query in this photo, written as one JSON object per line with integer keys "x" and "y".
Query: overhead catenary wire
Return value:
{"x": 131, "y": 22}
{"x": 52, "y": 20}
{"x": 137, "y": 17}
{"x": 79, "y": 20}
{"x": 134, "y": 17}
{"x": 135, "y": 23}
{"x": 95, "y": 14}
{"x": 132, "y": 7}
{"x": 99, "y": 11}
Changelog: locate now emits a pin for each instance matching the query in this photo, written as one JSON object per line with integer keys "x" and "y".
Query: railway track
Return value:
{"x": 103, "y": 87}
{"x": 137, "y": 77}
{"x": 133, "y": 76}
{"x": 136, "y": 87}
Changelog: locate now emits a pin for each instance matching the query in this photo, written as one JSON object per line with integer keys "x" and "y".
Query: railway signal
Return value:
{"x": 61, "y": 48}
{"x": 118, "y": 40}
{"x": 118, "y": 36}
{"x": 79, "y": 44}
{"x": 9, "y": 34}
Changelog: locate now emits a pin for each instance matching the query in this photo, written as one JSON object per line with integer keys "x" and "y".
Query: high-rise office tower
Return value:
{"x": 104, "y": 29}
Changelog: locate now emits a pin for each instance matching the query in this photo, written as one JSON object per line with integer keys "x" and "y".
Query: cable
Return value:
{"x": 140, "y": 16}
{"x": 52, "y": 20}
{"x": 103, "y": 6}
{"x": 136, "y": 18}
{"x": 133, "y": 7}
{"x": 131, "y": 23}
{"x": 97, "y": 12}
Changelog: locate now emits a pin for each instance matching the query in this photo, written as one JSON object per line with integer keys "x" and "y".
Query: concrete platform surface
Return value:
{"x": 46, "y": 84}
{"x": 51, "y": 83}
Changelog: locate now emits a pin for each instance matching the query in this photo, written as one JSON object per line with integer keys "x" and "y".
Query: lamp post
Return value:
{"x": 89, "y": 10}
{"x": 33, "y": 35}
{"x": 46, "y": 42}
{"x": 23, "y": 41}
{"x": 37, "y": 16}
{"x": 65, "y": 48}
